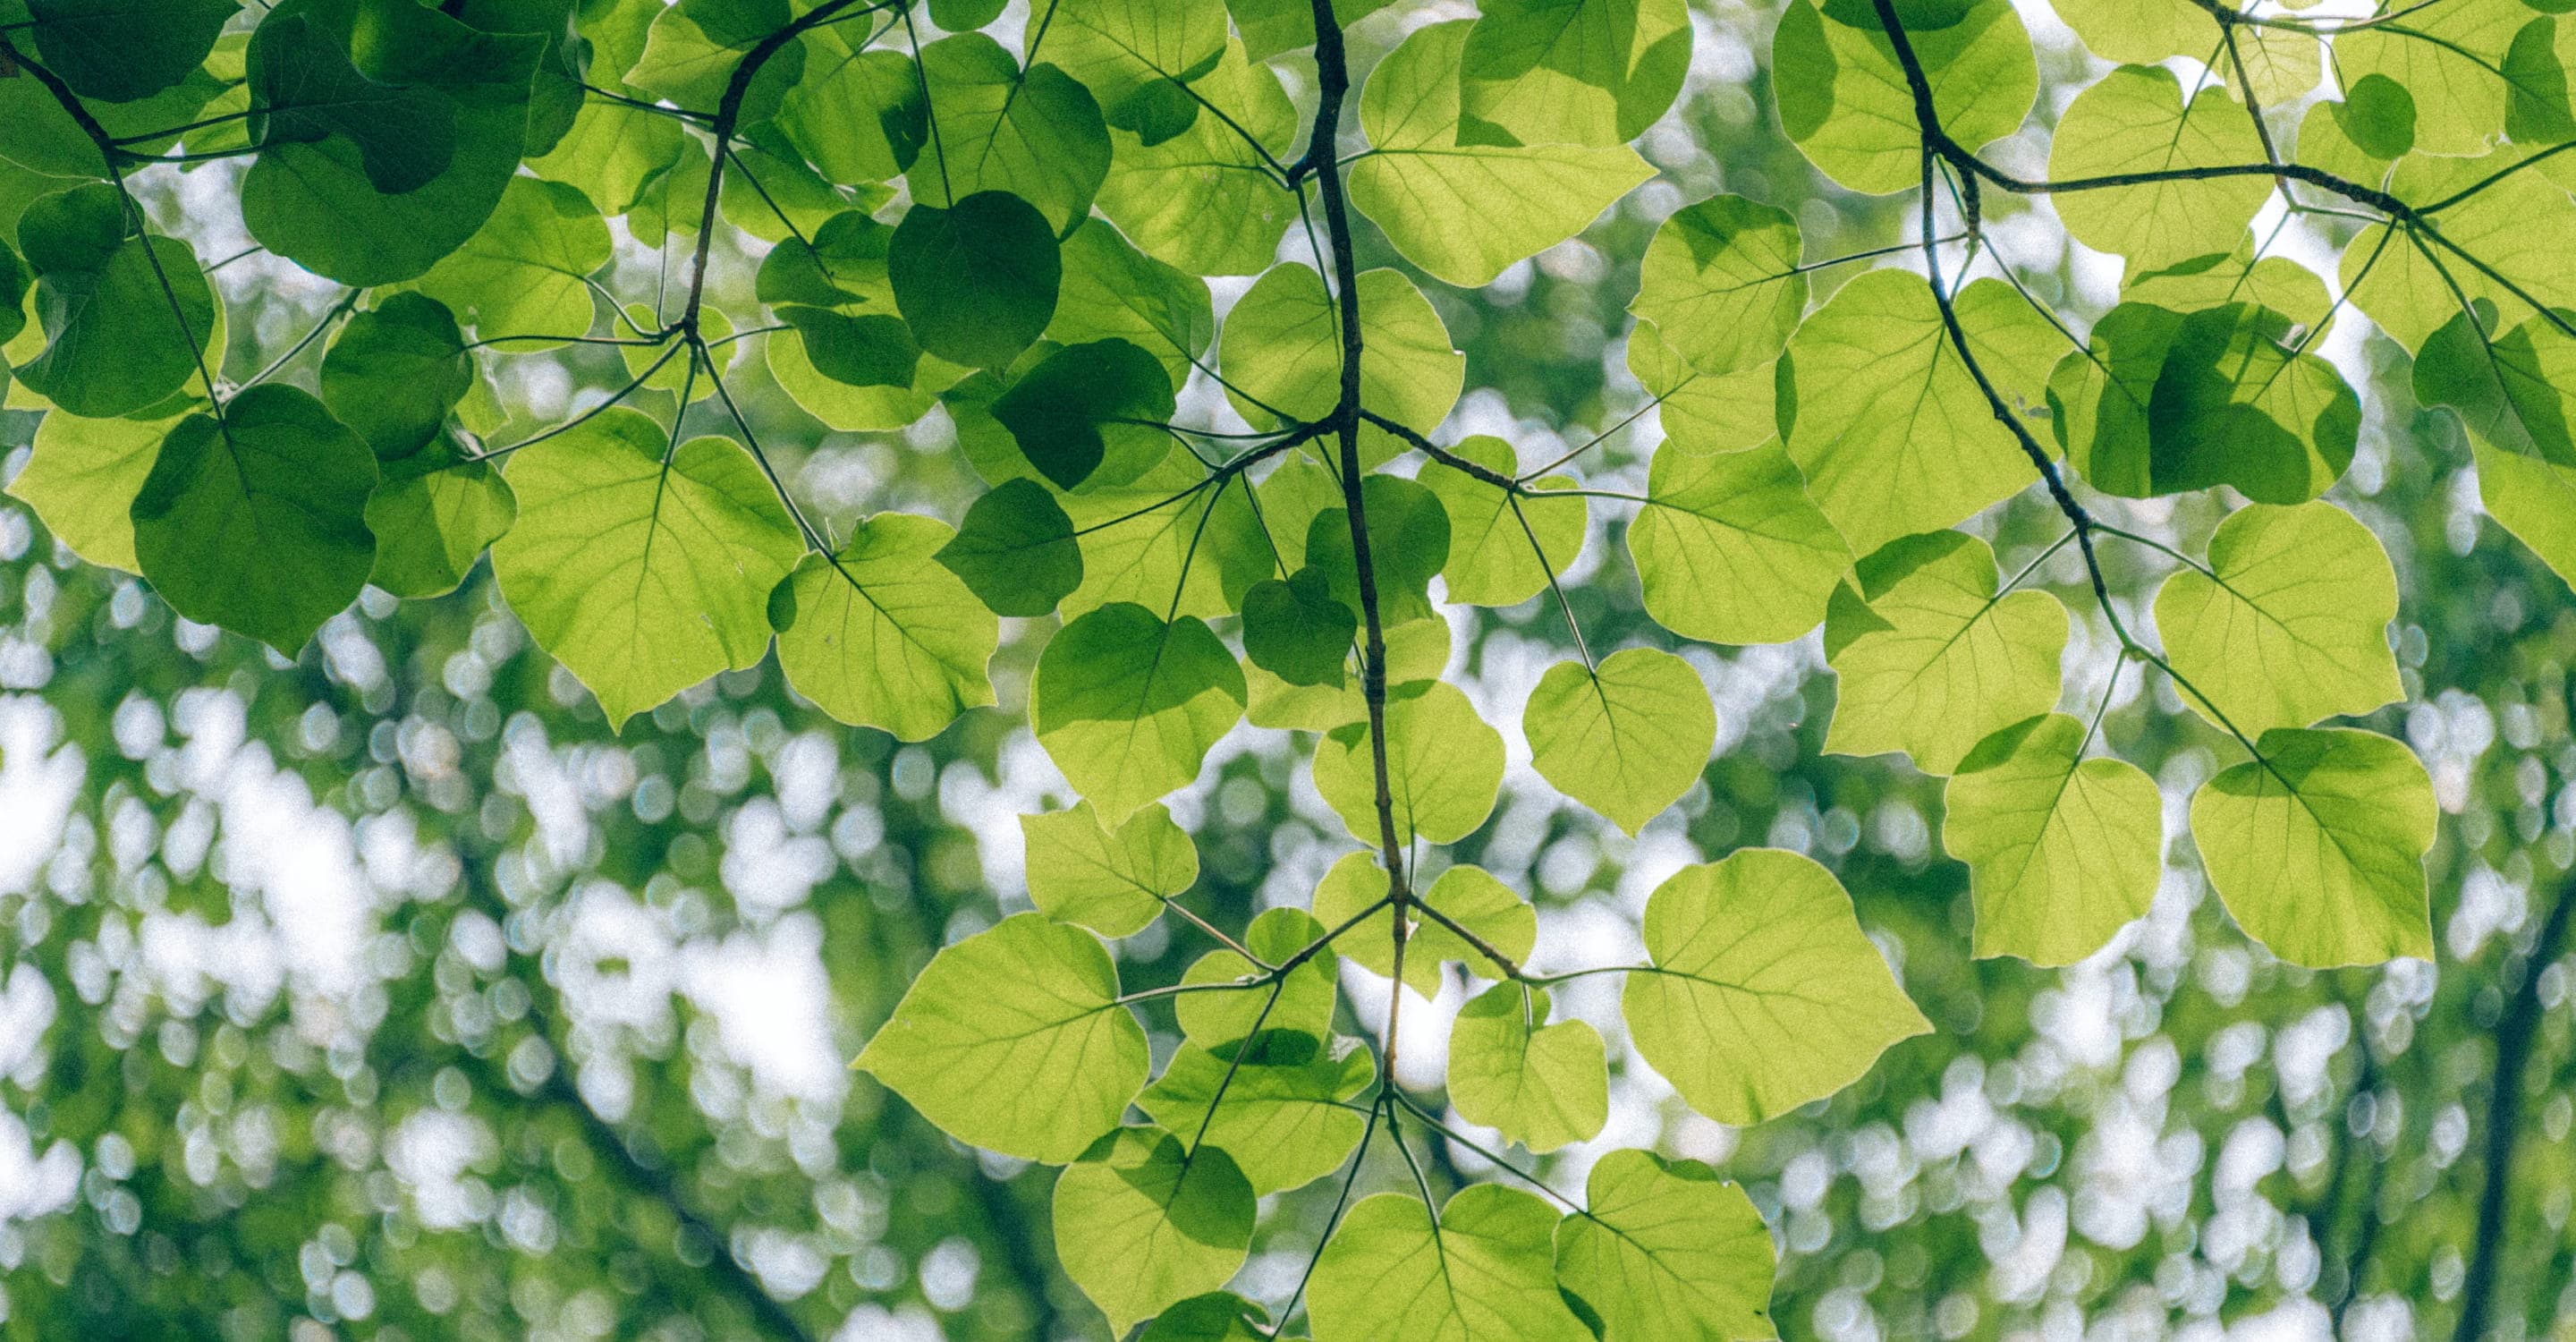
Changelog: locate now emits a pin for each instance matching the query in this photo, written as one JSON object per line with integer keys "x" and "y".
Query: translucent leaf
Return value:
{"x": 315, "y": 201}
{"x": 1626, "y": 738}
{"x": 306, "y": 88}
{"x": 2533, "y": 499}
{"x": 1111, "y": 881}
{"x": 1204, "y": 200}
{"x": 122, "y": 50}
{"x": 1135, "y": 55}
{"x": 1214, "y": 1021}
{"x": 1016, "y": 550}
{"x": 1890, "y": 429}
{"x": 2506, "y": 385}
{"x": 1153, "y": 539}
{"x": 2275, "y": 282}
{"x": 1283, "y": 1117}
{"x": 1664, "y": 1248}
{"x": 1468, "y": 896}
{"x": 643, "y": 578}
{"x": 1845, "y": 101}
{"x": 1274, "y": 27}
{"x": 1501, "y": 551}
{"x": 396, "y": 370}
{"x": 884, "y": 636}
{"x": 1487, "y": 1270}
{"x": 2452, "y": 60}
{"x": 2290, "y": 624}
{"x": 874, "y": 350}
{"x": 1730, "y": 549}
{"x": 82, "y": 478}
{"x": 848, "y": 406}
{"x": 1111, "y": 290}
{"x": 2168, "y": 402}
{"x": 1422, "y": 176}
{"x": 1218, "y": 1316}
{"x": 1035, "y": 134}
{"x": 1091, "y": 412}
{"x": 433, "y": 514}
{"x": 1931, "y": 659}
{"x": 1297, "y": 630}
{"x": 1014, "y": 1040}
{"x": 523, "y": 272}
{"x": 2318, "y": 847}
{"x": 254, "y": 520}
{"x": 857, "y": 116}
{"x": 1721, "y": 283}
{"x": 1701, "y": 414}
{"x": 1128, "y": 705}
{"x": 1541, "y": 1085}
{"x": 1281, "y": 350}
{"x": 2062, "y": 851}
{"x": 2135, "y": 121}
{"x": 1409, "y": 541}
{"x": 1443, "y": 762}
{"x": 977, "y": 283}
{"x": 117, "y": 340}
{"x": 1764, "y": 993}
{"x": 1141, "y": 1223}
{"x": 1416, "y": 651}
{"x": 2521, "y": 227}
{"x": 1594, "y": 72}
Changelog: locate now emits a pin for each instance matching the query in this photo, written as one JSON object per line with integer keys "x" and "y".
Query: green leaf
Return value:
{"x": 1128, "y": 704}
{"x": 122, "y": 50}
{"x": 2505, "y": 385}
{"x": 1594, "y": 72}
{"x": 1468, "y": 896}
{"x": 2378, "y": 115}
{"x": 1274, "y": 27}
{"x": 1664, "y": 1248}
{"x": 1701, "y": 414}
{"x": 1111, "y": 290}
{"x": 1297, "y": 630}
{"x": 843, "y": 267}
{"x": 1416, "y": 651}
{"x": 1284, "y": 1116}
{"x": 2535, "y": 500}
{"x": 2167, "y": 402}
{"x": 1764, "y": 943}
{"x": 1014, "y": 1040}
{"x": 2135, "y": 121}
{"x": 1281, "y": 350}
{"x": 1092, "y": 411}
{"x": 306, "y": 88}
{"x": 2518, "y": 224}
{"x": 856, "y": 351}
{"x": 2213, "y": 281}
{"x": 82, "y": 478}
{"x": 884, "y": 636}
{"x": 525, "y": 271}
{"x": 1485, "y": 1271}
{"x": 2290, "y": 624}
{"x": 2062, "y": 851}
{"x": 1422, "y": 176}
{"x": 255, "y": 520}
{"x": 433, "y": 514}
{"x": 395, "y": 371}
{"x": 872, "y": 350}
{"x": 692, "y": 49}
{"x": 1722, "y": 278}
{"x": 1016, "y": 550}
{"x": 319, "y": 202}
{"x": 1845, "y": 101}
{"x": 1890, "y": 429}
{"x": 1136, "y": 55}
{"x": 643, "y": 578}
{"x": 1140, "y": 545}
{"x": 1443, "y": 763}
{"x": 858, "y": 116}
{"x": 627, "y": 159}
{"x": 1111, "y": 881}
{"x": 117, "y": 339}
{"x": 1627, "y": 738}
{"x": 976, "y": 282}
{"x": 2452, "y": 60}
{"x": 1140, "y": 1223}
{"x": 1541, "y": 1085}
{"x": 1729, "y": 548}
{"x": 1218, "y": 1316}
{"x": 2318, "y": 847}
{"x": 1501, "y": 551}
{"x": 1215, "y": 1021}
{"x": 1035, "y": 134}
{"x": 1204, "y": 200}
{"x": 1409, "y": 543}
{"x": 1932, "y": 659}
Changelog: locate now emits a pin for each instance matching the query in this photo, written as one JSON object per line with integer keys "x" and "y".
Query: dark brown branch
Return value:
{"x": 2513, "y": 1033}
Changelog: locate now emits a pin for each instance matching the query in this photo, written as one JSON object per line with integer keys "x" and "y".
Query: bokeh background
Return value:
{"x": 387, "y": 994}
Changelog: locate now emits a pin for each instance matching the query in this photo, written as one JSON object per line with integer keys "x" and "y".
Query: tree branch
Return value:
{"x": 2513, "y": 1033}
